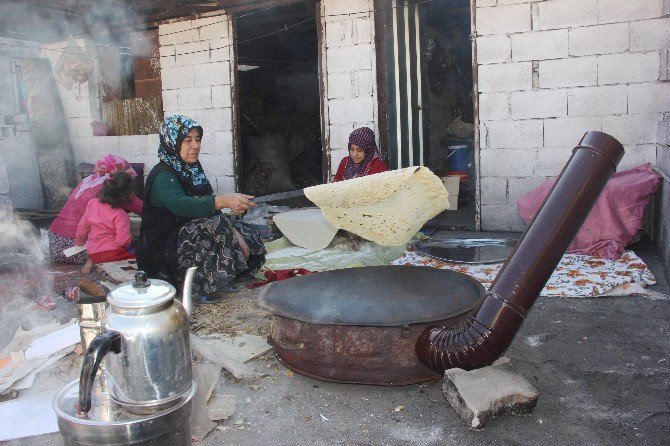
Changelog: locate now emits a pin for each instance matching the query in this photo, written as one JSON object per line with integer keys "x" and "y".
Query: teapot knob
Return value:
{"x": 141, "y": 280}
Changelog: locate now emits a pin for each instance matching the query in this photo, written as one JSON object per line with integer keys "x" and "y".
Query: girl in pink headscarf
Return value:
{"x": 364, "y": 156}
{"x": 63, "y": 230}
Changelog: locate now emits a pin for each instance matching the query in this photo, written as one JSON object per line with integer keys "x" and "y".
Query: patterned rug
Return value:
{"x": 575, "y": 276}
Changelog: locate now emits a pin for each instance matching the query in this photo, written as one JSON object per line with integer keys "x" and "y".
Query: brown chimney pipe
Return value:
{"x": 487, "y": 334}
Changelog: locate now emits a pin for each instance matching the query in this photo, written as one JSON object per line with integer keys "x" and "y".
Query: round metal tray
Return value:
{"x": 467, "y": 250}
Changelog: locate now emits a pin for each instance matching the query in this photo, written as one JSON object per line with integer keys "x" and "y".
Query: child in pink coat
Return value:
{"x": 105, "y": 226}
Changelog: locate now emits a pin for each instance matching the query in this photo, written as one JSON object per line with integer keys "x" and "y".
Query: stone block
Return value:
{"x": 338, "y": 33}
{"x": 196, "y": 58}
{"x": 168, "y": 62}
{"x": 212, "y": 74}
{"x": 494, "y": 49}
{"x": 650, "y": 34}
{"x": 551, "y": 160}
{"x": 191, "y": 47}
{"x": 501, "y": 218}
{"x": 178, "y": 37}
{"x": 566, "y": 132}
{"x": 597, "y": 101}
{"x": 178, "y": 77}
{"x": 514, "y": 134}
{"x": 174, "y": 27}
{"x": 166, "y": 51}
{"x": 506, "y": 77}
{"x": 215, "y": 119}
{"x": 494, "y": 106}
{"x": 363, "y": 30}
{"x": 224, "y": 184}
{"x": 493, "y": 190}
{"x": 219, "y": 53}
{"x": 636, "y": 155}
{"x": 626, "y": 11}
{"x": 194, "y": 98}
{"x": 340, "y": 85}
{"x": 540, "y": 45}
{"x": 217, "y": 30}
{"x": 558, "y": 14}
{"x": 221, "y": 96}
{"x": 507, "y": 162}
{"x": 538, "y": 104}
{"x": 342, "y": 111}
{"x": 571, "y": 72}
{"x": 628, "y": 67}
{"x": 503, "y": 19}
{"x": 152, "y": 141}
{"x": 599, "y": 39}
{"x": 517, "y": 187}
{"x": 649, "y": 97}
{"x": 206, "y": 21}
{"x": 338, "y": 7}
{"x": 633, "y": 129}
{"x": 481, "y": 394}
{"x": 350, "y": 58}
{"x": 170, "y": 100}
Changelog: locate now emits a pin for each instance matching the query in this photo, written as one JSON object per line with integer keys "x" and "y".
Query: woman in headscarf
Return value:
{"x": 182, "y": 225}
{"x": 364, "y": 156}
{"x": 63, "y": 229}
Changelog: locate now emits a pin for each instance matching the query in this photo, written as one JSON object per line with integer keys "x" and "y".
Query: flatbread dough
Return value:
{"x": 307, "y": 228}
{"x": 387, "y": 208}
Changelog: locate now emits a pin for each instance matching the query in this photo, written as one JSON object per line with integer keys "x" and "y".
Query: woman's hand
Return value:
{"x": 238, "y": 203}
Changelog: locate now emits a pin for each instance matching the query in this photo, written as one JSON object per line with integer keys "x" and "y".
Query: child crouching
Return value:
{"x": 105, "y": 226}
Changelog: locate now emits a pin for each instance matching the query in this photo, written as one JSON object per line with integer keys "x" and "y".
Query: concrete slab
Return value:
{"x": 482, "y": 394}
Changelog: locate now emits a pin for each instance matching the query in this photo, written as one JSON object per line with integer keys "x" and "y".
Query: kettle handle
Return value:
{"x": 97, "y": 349}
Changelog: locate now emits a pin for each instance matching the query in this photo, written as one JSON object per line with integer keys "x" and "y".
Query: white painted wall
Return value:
{"x": 196, "y": 71}
{"x": 349, "y": 60}
{"x": 550, "y": 70}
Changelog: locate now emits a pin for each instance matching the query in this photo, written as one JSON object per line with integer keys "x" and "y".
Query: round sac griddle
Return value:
{"x": 360, "y": 325}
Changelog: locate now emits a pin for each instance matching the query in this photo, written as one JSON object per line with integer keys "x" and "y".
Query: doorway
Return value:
{"x": 278, "y": 99}
{"x": 427, "y": 80}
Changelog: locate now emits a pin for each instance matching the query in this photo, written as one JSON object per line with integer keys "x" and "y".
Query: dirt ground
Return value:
{"x": 600, "y": 366}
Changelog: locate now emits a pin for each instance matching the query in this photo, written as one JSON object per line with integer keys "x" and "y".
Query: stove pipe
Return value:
{"x": 486, "y": 335}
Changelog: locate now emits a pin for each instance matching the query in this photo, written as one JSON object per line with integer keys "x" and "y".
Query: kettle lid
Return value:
{"x": 141, "y": 292}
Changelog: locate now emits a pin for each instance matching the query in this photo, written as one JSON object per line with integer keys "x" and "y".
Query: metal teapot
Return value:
{"x": 147, "y": 330}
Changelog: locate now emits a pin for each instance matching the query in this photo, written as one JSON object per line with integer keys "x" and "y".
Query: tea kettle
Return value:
{"x": 147, "y": 330}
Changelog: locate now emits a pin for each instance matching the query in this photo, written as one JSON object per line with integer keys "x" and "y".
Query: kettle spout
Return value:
{"x": 188, "y": 282}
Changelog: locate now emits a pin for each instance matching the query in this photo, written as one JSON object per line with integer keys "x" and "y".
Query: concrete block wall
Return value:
{"x": 197, "y": 62}
{"x": 550, "y": 70}
{"x": 349, "y": 61}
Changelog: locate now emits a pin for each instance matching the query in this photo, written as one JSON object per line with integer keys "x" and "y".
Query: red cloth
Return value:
{"x": 614, "y": 220}
{"x": 376, "y": 166}
{"x": 68, "y": 218}
{"x": 104, "y": 228}
{"x": 279, "y": 274}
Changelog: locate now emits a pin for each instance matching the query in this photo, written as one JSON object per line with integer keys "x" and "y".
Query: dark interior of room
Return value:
{"x": 278, "y": 93}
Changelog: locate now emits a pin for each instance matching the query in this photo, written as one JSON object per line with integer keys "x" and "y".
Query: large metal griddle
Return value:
{"x": 467, "y": 250}
{"x": 359, "y": 325}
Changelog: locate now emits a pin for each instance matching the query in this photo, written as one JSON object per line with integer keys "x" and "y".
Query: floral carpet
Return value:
{"x": 575, "y": 276}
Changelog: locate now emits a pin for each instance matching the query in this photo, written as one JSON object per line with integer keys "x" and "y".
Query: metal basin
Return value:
{"x": 360, "y": 325}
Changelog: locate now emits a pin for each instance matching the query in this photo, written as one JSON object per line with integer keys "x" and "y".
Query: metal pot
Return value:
{"x": 360, "y": 325}
{"x": 109, "y": 424}
{"x": 147, "y": 330}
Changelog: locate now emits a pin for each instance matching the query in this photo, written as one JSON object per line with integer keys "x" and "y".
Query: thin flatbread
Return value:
{"x": 387, "y": 208}
{"x": 307, "y": 228}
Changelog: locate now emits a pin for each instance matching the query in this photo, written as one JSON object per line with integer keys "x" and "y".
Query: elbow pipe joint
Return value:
{"x": 487, "y": 334}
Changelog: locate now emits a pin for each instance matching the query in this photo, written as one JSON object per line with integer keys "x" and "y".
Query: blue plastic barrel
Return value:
{"x": 457, "y": 157}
